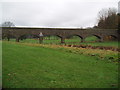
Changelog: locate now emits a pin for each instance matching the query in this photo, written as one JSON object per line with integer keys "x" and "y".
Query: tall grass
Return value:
{"x": 74, "y": 41}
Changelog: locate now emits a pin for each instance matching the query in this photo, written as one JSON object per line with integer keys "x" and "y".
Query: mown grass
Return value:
{"x": 40, "y": 66}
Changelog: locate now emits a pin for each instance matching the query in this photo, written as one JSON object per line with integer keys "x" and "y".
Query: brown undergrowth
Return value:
{"x": 103, "y": 54}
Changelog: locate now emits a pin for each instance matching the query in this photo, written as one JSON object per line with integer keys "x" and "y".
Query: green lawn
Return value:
{"x": 26, "y": 66}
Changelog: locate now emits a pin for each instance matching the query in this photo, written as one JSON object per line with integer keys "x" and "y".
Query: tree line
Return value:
{"x": 108, "y": 19}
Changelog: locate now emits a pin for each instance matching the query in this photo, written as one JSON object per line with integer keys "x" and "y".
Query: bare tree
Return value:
{"x": 108, "y": 18}
{"x": 8, "y": 24}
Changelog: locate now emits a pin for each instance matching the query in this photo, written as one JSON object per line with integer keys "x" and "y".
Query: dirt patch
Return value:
{"x": 95, "y": 47}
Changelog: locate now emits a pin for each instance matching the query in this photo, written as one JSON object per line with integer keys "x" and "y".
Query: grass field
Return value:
{"x": 28, "y": 65}
{"x": 74, "y": 41}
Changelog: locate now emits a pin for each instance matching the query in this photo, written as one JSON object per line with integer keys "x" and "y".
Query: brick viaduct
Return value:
{"x": 63, "y": 33}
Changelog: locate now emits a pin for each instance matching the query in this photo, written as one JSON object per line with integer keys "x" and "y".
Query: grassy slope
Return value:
{"x": 39, "y": 67}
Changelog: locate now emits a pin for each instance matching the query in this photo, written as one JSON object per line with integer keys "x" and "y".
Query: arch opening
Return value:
{"x": 52, "y": 39}
{"x": 29, "y": 38}
{"x": 8, "y": 37}
{"x": 92, "y": 38}
{"x": 73, "y": 39}
{"x": 110, "y": 38}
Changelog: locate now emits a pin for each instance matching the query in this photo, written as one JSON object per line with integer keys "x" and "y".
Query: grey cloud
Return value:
{"x": 53, "y": 14}
{"x": 119, "y": 7}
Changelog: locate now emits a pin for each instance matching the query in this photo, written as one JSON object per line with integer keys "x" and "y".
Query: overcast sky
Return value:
{"x": 53, "y": 13}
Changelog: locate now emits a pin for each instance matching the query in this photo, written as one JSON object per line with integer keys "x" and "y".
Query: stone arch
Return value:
{"x": 8, "y": 36}
{"x": 53, "y": 39}
{"x": 110, "y": 37}
{"x": 93, "y": 38}
{"x": 98, "y": 36}
{"x": 74, "y": 38}
{"x": 75, "y": 35}
{"x": 26, "y": 36}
